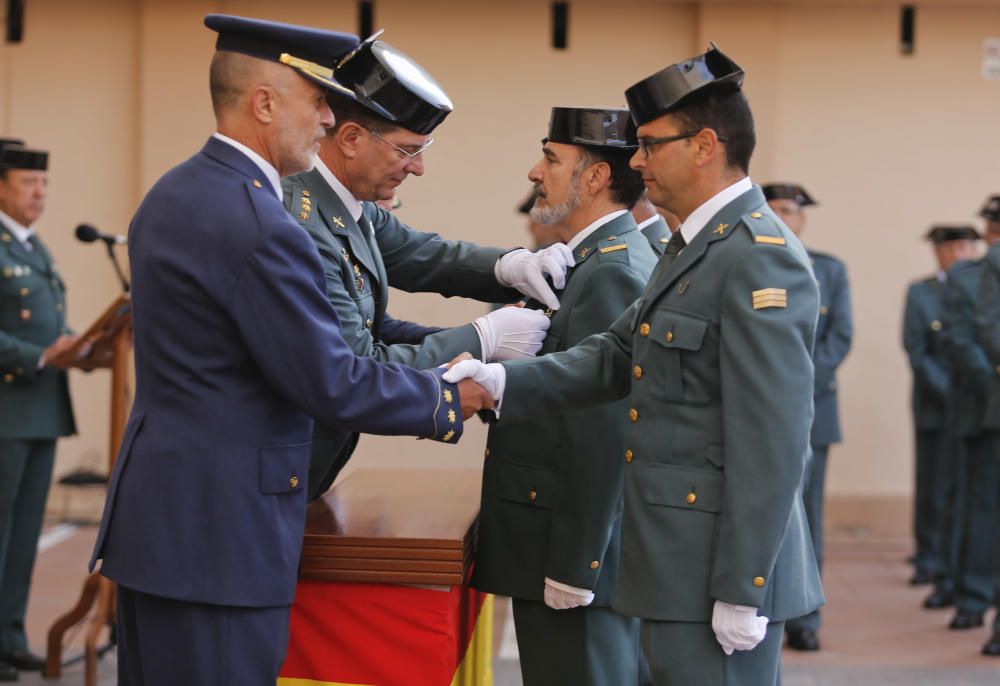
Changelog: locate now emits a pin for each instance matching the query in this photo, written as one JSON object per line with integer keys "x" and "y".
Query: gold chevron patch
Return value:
{"x": 770, "y": 297}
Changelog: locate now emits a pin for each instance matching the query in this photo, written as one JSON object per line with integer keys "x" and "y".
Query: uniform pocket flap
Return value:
{"x": 284, "y": 468}
{"x": 684, "y": 487}
{"x": 673, "y": 329}
{"x": 522, "y": 484}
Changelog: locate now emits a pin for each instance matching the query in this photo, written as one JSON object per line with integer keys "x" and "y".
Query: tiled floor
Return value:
{"x": 873, "y": 633}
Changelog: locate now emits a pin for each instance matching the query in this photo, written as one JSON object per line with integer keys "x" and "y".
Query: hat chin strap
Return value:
{"x": 322, "y": 74}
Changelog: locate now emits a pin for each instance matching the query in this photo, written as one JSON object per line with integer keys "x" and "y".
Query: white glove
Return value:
{"x": 561, "y": 596}
{"x": 492, "y": 377}
{"x": 737, "y": 627}
{"x": 526, "y": 270}
{"x": 511, "y": 333}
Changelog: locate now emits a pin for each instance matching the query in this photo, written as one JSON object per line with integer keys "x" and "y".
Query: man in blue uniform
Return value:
{"x": 937, "y": 492}
{"x": 236, "y": 346}
{"x": 34, "y": 396}
{"x": 716, "y": 553}
{"x": 833, "y": 340}
{"x": 550, "y": 521}
{"x": 378, "y": 140}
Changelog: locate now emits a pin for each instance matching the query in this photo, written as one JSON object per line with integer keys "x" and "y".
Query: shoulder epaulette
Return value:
{"x": 763, "y": 227}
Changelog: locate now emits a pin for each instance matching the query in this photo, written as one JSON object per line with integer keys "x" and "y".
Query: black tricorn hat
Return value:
{"x": 17, "y": 157}
{"x": 667, "y": 89}
{"x": 310, "y": 51}
{"x": 9, "y": 142}
{"x": 991, "y": 210}
{"x": 788, "y": 191}
{"x": 603, "y": 127}
{"x": 391, "y": 84}
{"x": 942, "y": 233}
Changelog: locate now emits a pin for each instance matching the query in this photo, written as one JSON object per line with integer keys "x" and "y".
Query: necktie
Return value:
{"x": 675, "y": 244}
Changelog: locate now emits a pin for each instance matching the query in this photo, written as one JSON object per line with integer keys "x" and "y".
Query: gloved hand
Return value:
{"x": 492, "y": 377}
{"x": 526, "y": 270}
{"x": 737, "y": 627}
{"x": 561, "y": 596}
{"x": 511, "y": 333}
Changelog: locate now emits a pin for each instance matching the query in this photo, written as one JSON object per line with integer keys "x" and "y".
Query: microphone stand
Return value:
{"x": 118, "y": 270}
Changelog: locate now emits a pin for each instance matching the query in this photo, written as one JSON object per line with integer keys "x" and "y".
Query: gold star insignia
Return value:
{"x": 584, "y": 252}
{"x": 5, "y": 238}
{"x": 451, "y": 416}
{"x": 303, "y": 215}
{"x": 447, "y": 396}
{"x": 306, "y": 194}
{"x": 338, "y": 221}
{"x": 549, "y": 312}
{"x": 448, "y": 436}
{"x": 720, "y": 229}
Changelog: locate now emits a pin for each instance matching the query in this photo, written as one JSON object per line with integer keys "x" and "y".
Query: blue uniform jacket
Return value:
{"x": 833, "y": 339}
{"x": 235, "y": 346}
{"x": 395, "y": 331}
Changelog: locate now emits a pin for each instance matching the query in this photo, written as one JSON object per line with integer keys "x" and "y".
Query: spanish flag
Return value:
{"x": 344, "y": 634}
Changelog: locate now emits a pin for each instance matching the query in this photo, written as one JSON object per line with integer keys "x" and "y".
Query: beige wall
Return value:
{"x": 117, "y": 90}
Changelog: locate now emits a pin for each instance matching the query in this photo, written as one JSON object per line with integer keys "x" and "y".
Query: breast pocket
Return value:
{"x": 521, "y": 484}
{"x": 677, "y": 338}
{"x": 686, "y": 506}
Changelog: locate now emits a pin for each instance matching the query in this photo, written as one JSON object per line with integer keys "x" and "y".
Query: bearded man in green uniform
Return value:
{"x": 34, "y": 396}
{"x": 550, "y": 520}
{"x": 715, "y": 359}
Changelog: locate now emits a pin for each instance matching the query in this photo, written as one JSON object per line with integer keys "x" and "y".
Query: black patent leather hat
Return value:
{"x": 604, "y": 127}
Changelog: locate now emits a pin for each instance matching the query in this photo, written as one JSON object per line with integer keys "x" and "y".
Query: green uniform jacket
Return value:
{"x": 971, "y": 369}
{"x": 988, "y": 329}
{"x": 551, "y": 504}
{"x": 33, "y": 403}
{"x": 715, "y": 361}
{"x": 923, "y": 340}
{"x": 658, "y": 235}
{"x": 360, "y": 264}
{"x": 833, "y": 339}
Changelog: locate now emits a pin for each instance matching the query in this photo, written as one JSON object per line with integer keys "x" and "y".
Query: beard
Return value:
{"x": 556, "y": 214}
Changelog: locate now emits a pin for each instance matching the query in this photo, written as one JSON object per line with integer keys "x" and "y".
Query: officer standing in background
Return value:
{"x": 378, "y": 139}
{"x": 716, "y": 553}
{"x": 988, "y": 327}
{"x": 542, "y": 236}
{"x": 971, "y": 377}
{"x": 833, "y": 340}
{"x": 550, "y": 519}
{"x": 652, "y": 224}
{"x": 937, "y": 491}
{"x": 35, "y": 407}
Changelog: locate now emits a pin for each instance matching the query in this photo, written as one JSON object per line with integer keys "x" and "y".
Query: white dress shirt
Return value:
{"x": 269, "y": 171}
{"x": 352, "y": 204}
{"x": 693, "y": 225}
{"x": 591, "y": 228}
{"x": 21, "y": 233}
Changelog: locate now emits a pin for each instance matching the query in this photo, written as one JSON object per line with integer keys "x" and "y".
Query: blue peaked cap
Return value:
{"x": 310, "y": 51}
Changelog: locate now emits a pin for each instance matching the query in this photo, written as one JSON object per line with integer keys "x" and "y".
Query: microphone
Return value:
{"x": 88, "y": 234}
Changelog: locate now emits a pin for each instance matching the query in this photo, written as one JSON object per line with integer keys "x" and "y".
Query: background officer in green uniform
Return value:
{"x": 34, "y": 395}
{"x": 988, "y": 327}
{"x": 652, "y": 225}
{"x": 379, "y": 138}
{"x": 550, "y": 519}
{"x": 936, "y": 493}
{"x": 715, "y": 359}
{"x": 833, "y": 340}
{"x": 972, "y": 374}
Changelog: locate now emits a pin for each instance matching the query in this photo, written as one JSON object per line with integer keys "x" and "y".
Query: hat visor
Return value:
{"x": 316, "y": 73}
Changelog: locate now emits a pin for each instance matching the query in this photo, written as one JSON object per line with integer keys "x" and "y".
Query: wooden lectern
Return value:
{"x": 106, "y": 344}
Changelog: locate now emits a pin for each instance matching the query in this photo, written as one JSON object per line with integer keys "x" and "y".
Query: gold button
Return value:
{"x": 293, "y": 482}
{"x": 595, "y": 564}
{"x": 257, "y": 184}
{"x": 756, "y": 215}
{"x": 24, "y": 292}
{"x": 637, "y": 372}
{"x": 368, "y": 323}
{"x": 758, "y": 581}
{"x": 823, "y": 309}
{"x": 670, "y": 337}
{"x": 533, "y": 496}
{"x": 8, "y": 378}
{"x": 628, "y": 456}
{"x": 612, "y": 238}
{"x": 935, "y": 325}
{"x": 306, "y": 194}
{"x": 644, "y": 330}
{"x": 487, "y": 453}
{"x": 633, "y": 414}
{"x": 25, "y": 315}
{"x": 19, "y": 370}
{"x": 692, "y": 498}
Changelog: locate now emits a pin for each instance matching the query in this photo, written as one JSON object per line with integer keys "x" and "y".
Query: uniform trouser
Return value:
{"x": 813, "y": 485}
{"x": 25, "y": 474}
{"x": 934, "y": 469}
{"x": 166, "y": 642}
{"x": 585, "y": 646}
{"x": 953, "y": 521}
{"x": 688, "y": 654}
{"x": 974, "y": 581}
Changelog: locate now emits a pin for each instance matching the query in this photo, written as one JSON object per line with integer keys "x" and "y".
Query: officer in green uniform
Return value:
{"x": 550, "y": 519}
{"x": 972, "y": 374}
{"x": 988, "y": 328}
{"x": 34, "y": 396}
{"x": 937, "y": 493}
{"x": 652, "y": 225}
{"x": 715, "y": 359}
{"x": 379, "y": 138}
{"x": 833, "y": 340}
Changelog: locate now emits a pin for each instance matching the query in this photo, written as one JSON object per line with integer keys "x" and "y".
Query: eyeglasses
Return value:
{"x": 401, "y": 151}
{"x": 646, "y": 143}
